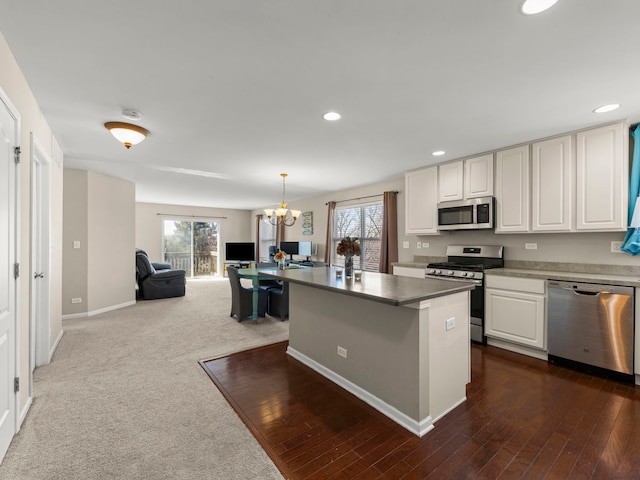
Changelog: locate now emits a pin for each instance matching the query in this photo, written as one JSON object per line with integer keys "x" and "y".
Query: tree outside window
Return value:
{"x": 364, "y": 222}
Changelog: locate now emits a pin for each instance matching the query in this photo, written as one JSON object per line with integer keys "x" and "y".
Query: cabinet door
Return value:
{"x": 512, "y": 190}
{"x": 515, "y": 316}
{"x": 552, "y": 185}
{"x": 421, "y": 201}
{"x": 602, "y": 168}
{"x": 478, "y": 176}
{"x": 450, "y": 181}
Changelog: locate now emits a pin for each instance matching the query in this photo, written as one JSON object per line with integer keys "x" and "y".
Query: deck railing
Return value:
{"x": 204, "y": 263}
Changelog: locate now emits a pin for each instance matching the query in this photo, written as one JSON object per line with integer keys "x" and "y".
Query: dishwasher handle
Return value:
{"x": 585, "y": 293}
{"x": 589, "y": 289}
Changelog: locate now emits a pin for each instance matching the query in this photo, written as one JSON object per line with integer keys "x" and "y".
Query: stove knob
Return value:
{"x": 464, "y": 274}
{"x": 450, "y": 272}
{"x": 430, "y": 271}
{"x": 437, "y": 272}
{"x": 471, "y": 274}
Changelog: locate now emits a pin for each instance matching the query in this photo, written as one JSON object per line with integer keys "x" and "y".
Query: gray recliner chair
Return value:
{"x": 154, "y": 284}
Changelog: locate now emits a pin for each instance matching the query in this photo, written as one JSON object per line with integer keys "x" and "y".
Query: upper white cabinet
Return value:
{"x": 421, "y": 201}
{"x": 450, "y": 181}
{"x": 602, "y": 171}
{"x": 512, "y": 190}
{"x": 553, "y": 185}
{"x": 470, "y": 178}
{"x": 478, "y": 176}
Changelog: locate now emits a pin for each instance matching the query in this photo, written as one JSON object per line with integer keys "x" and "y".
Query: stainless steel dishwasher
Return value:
{"x": 591, "y": 324}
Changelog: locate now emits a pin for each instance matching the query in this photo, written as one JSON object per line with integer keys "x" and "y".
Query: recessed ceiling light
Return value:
{"x": 332, "y": 116}
{"x": 532, "y": 7}
{"x": 438, "y": 153}
{"x": 607, "y": 108}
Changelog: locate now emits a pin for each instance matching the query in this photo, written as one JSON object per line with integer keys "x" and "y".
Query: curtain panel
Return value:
{"x": 389, "y": 239}
{"x": 331, "y": 209}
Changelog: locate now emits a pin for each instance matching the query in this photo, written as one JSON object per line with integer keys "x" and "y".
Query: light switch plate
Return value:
{"x": 405, "y": 244}
{"x": 531, "y": 246}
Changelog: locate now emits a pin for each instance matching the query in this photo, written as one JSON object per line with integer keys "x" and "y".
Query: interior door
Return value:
{"x": 8, "y": 128}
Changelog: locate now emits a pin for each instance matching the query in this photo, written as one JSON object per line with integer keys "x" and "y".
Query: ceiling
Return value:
{"x": 233, "y": 91}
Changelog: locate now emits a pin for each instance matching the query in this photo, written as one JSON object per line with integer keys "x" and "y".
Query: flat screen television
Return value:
{"x": 290, "y": 248}
{"x": 240, "y": 251}
{"x": 304, "y": 249}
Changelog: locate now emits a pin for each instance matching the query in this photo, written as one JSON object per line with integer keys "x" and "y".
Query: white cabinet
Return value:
{"x": 512, "y": 190}
{"x": 470, "y": 178}
{"x": 515, "y": 310}
{"x": 421, "y": 201}
{"x": 602, "y": 171}
{"x": 414, "y": 272}
{"x": 478, "y": 176}
{"x": 553, "y": 185}
{"x": 450, "y": 181}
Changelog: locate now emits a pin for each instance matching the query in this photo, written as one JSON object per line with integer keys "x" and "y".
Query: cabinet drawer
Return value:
{"x": 519, "y": 284}
{"x": 409, "y": 271}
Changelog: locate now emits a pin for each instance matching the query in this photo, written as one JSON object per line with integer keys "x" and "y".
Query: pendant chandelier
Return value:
{"x": 282, "y": 215}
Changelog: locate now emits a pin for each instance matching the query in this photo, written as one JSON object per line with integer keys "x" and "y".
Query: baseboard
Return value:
{"x": 55, "y": 345}
{"x": 23, "y": 413}
{"x": 524, "y": 350}
{"x": 415, "y": 427}
{"x": 98, "y": 312}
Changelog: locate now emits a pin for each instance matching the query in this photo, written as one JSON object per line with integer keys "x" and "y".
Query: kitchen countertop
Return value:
{"x": 608, "y": 279}
{"x": 378, "y": 287}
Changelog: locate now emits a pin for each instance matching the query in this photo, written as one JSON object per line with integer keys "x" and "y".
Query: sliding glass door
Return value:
{"x": 191, "y": 246}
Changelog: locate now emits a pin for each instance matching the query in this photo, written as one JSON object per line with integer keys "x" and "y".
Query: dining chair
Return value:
{"x": 242, "y": 297}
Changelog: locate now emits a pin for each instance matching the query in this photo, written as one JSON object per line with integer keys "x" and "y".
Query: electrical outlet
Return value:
{"x": 76, "y": 300}
{"x": 451, "y": 323}
{"x": 419, "y": 244}
{"x": 615, "y": 247}
{"x": 342, "y": 352}
{"x": 405, "y": 244}
{"x": 76, "y": 244}
{"x": 425, "y": 244}
{"x": 531, "y": 246}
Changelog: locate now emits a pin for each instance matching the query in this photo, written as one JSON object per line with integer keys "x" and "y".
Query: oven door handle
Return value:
{"x": 454, "y": 279}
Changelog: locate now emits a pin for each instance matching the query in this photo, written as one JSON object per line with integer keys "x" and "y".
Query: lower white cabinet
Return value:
{"x": 515, "y": 310}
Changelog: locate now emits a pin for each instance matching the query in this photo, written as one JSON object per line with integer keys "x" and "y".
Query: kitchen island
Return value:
{"x": 400, "y": 344}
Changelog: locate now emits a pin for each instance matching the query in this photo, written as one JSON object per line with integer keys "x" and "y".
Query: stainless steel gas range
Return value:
{"x": 468, "y": 263}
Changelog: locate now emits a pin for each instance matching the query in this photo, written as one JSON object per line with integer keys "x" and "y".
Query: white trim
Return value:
{"x": 99, "y": 311}
{"x": 23, "y": 413}
{"x": 55, "y": 345}
{"x": 522, "y": 349}
{"x": 415, "y": 427}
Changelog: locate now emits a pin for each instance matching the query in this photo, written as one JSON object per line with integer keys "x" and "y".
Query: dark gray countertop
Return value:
{"x": 378, "y": 287}
{"x": 602, "y": 278}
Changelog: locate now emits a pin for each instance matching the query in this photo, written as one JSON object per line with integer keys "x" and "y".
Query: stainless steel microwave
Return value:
{"x": 473, "y": 213}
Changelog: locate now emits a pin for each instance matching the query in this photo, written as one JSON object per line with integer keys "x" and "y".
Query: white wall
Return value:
{"x": 100, "y": 214}
{"x": 13, "y": 83}
{"x": 234, "y": 225}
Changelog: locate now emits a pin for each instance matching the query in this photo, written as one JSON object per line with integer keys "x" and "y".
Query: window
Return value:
{"x": 364, "y": 222}
{"x": 267, "y": 239}
{"x": 191, "y": 246}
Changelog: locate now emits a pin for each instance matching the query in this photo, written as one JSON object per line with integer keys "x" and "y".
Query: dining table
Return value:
{"x": 257, "y": 274}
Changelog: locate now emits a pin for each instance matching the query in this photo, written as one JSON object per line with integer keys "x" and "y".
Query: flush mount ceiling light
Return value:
{"x": 438, "y": 153}
{"x": 332, "y": 116}
{"x": 533, "y": 7}
{"x": 282, "y": 215}
{"x": 607, "y": 108}
{"x": 127, "y": 133}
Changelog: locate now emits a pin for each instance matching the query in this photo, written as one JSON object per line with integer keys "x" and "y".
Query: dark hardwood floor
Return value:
{"x": 523, "y": 419}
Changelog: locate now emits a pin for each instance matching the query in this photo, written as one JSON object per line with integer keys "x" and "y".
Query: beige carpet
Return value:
{"x": 125, "y": 397}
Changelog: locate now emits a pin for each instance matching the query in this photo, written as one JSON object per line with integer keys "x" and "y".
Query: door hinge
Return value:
{"x": 16, "y": 270}
{"x": 16, "y": 152}
{"x": 16, "y": 385}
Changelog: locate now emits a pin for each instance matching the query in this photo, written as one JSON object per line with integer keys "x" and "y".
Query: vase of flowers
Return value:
{"x": 348, "y": 247}
{"x": 280, "y": 257}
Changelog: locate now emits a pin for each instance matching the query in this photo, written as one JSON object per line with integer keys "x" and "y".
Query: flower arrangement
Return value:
{"x": 280, "y": 255}
{"x": 348, "y": 247}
